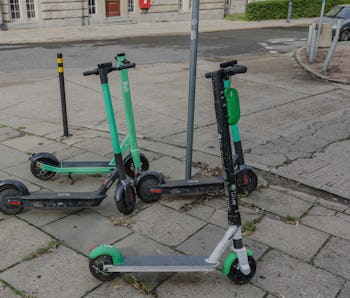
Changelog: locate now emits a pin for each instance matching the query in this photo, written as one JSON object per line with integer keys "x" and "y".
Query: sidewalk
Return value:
{"x": 295, "y": 132}
{"x": 115, "y": 31}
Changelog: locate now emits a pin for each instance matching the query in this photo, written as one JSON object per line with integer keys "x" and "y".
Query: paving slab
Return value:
{"x": 116, "y": 288}
{"x": 41, "y": 128}
{"x": 10, "y": 157}
{"x": 201, "y": 285}
{"x": 7, "y": 133}
{"x": 284, "y": 276}
{"x": 61, "y": 273}
{"x": 277, "y": 202}
{"x": 40, "y": 218}
{"x": 335, "y": 224}
{"x": 165, "y": 225}
{"x": 99, "y": 145}
{"x": 345, "y": 291}
{"x": 18, "y": 240}
{"x": 200, "y": 211}
{"x": 27, "y": 143}
{"x": 247, "y": 214}
{"x": 298, "y": 241}
{"x": 86, "y": 229}
{"x": 7, "y": 292}
{"x": 335, "y": 257}
{"x": 136, "y": 245}
{"x": 203, "y": 242}
{"x": 162, "y": 148}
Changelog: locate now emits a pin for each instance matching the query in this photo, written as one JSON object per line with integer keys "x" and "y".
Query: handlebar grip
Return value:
{"x": 91, "y": 72}
{"x": 236, "y": 69}
{"x": 125, "y": 66}
{"x": 228, "y": 63}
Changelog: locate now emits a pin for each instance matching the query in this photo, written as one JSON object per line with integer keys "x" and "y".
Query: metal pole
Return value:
{"x": 332, "y": 49}
{"x": 319, "y": 28}
{"x": 63, "y": 93}
{"x": 192, "y": 87}
{"x": 290, "y": 7}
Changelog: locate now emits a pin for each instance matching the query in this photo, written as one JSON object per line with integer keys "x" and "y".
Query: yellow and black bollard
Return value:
{"x": 63, "y": 93}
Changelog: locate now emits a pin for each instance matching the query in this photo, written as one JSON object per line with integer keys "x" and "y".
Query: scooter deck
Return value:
{"x": 191, "y": 186}
{"x": 163, "y": 264}
{"x": 59, "y": 200}
{"x": 88, "y": 164}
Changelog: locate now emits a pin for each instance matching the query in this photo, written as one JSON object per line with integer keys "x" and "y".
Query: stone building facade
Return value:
{"x": 42, "y": 13}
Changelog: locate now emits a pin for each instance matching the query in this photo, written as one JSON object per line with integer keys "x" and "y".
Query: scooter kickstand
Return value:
{"x": 70, "y": 179}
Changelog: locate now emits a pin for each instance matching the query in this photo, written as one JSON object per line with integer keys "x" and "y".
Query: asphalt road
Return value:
{"x": 155, "y": 49}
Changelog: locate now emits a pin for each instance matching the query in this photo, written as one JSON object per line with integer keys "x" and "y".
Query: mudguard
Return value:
{"x": 36, "y": 156}
{"x": 108, "y": 250}
{"x": 24, "y": 190}
{"x": 121, "y": 189}
{"x": 148, "y": 173}
{"x": 231, "y": 257}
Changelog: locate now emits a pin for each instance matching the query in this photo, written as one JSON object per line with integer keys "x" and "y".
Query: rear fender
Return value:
{"x": 18, "y": 184}
{"x": 36, "y": 156}
{"x": 108, "y": 250}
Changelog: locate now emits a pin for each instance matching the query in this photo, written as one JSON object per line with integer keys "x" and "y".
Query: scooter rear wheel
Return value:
{"x": 129, "y": 165}
{"x": 96, "y": 268}
{"x": 247, "y": 181}
{"x": 40, "y": 173}
{"x": 144, "y": 186}
{"x": 237, "y": 276}
{"x": 7, "y": 191}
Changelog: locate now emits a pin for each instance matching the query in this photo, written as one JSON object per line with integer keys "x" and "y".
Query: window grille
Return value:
{"x": 30, "y": 9}
{"x": 15, "y": 13}
{"x": 131, "y": 6}
{"x": 92, "y": 7}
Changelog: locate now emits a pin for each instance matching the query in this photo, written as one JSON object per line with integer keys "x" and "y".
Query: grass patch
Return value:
{"x": 248, "y": 228}
{"x": 291, "y": 220}
{"x": 132, "y": 280}
{"x": 43, "y": 250}
{"x": 236, "y": 17}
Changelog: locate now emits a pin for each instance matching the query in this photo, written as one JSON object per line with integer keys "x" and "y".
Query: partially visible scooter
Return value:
{"x": 44, "y": 165}
{"x": 148, "y": 187}
{"x": 15, "y": 196}
{"x": 106, "y": 261}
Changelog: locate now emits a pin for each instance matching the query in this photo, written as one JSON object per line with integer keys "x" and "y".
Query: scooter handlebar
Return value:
{"x": 228, "y": 63}
{"x": 91, "y": 72}
{"x": 230, "y": 71}
{"x": 126, "y": 66}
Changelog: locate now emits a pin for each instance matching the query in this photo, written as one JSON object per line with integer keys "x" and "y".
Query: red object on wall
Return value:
{"x": 145, "y": 4}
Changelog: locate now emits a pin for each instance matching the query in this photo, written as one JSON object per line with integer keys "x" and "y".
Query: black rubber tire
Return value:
{"x": 143, "y": 188}
{"x": 345, "y": 35}
{"x": 121, "y": 205}
{"x": 96, "y": 268}
{"x": 129, "y": 165}
{"x": 247, "y": 182}
{"x": 7, "y": 191}
{"x": 39, "y": 173}
{"x": 237, "y": 276}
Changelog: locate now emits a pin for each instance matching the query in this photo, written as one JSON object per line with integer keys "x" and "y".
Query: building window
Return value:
{"x": 92, "y": 7}
{"x": 15, "y": 13}
{"x": 30, "y": 9}
{"x": 131, "y": 5}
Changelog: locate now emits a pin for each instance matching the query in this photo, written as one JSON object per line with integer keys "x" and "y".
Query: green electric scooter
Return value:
{"x": 44, "y": 165}
{"x": 15, "y": 196}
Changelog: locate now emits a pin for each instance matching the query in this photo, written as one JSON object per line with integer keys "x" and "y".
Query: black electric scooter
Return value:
{"x": 15, "y": 196}
{"x": 150, "y": 186}
{"x": 106, "y": 261}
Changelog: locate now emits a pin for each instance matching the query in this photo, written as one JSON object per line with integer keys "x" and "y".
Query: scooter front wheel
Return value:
{"x": 237, "y": 276}
{"x": 125, "y": 198}
{"x": 9, "y": 191}
{"x": 40, "y": 173}
{"x": 96, "y": 268}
